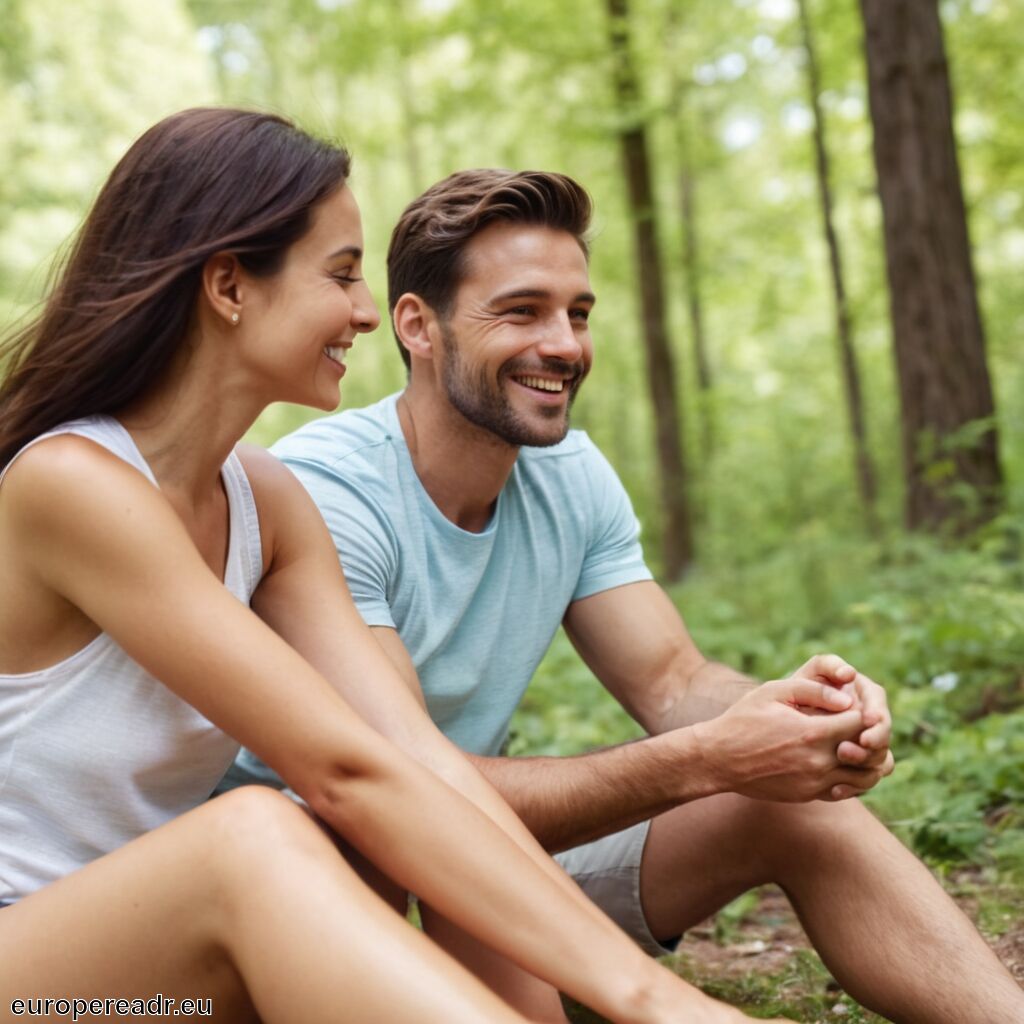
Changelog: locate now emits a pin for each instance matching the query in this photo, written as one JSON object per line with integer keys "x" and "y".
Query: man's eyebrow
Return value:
{"x": 347, "y": 250}
{"x": 537, "y": 293}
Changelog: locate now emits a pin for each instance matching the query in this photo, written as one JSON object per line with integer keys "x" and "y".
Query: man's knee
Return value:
{"x": 730, "y": 834}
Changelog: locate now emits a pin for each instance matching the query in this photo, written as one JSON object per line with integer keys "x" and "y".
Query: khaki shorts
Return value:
{"x": 608, "y": 871}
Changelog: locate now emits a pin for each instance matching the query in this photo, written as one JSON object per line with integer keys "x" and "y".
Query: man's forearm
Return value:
{"x": 765, "y": 745}
{"x": 565, "y": 801}
{"x": 710, "y": 690}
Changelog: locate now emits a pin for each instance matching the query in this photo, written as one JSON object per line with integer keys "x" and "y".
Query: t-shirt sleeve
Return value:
{"x": 614, "y": 555}
{"x": 362, "y": 534}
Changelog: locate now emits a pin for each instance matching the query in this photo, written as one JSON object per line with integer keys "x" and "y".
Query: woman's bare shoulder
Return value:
{"x": 48, "y": 475}
{"x": 78, "y": 512}
{"x": 289, "y": 521}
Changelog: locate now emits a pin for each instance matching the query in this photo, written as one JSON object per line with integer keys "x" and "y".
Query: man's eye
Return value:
{"x": 582, "y": 315}
{"x": 521, "y": 311}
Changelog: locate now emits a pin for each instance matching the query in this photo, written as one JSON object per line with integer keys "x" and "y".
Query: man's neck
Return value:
{"x": 461, "y": 466}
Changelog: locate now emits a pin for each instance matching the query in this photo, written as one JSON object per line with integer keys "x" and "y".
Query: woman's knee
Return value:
{"x": 258, "y": 830}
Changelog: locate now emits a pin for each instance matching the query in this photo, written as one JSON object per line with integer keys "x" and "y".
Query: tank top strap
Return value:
{"x": 245, "y": 551}
{"x": 105, "y": 431}
{"x": 244, "y": 567}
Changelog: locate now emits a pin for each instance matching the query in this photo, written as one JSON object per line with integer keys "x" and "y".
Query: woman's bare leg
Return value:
{"x": 538, "y": 1001}
{"x": 245, "y": 902}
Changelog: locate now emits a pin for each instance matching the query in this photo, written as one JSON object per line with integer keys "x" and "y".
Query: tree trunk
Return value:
{"x": 863, "y": 467}
{"x": 692, "y": 266}
{"x": 677, "y": 540}
{"x": 952, "y": 469}
{"x": 691, "y": 260}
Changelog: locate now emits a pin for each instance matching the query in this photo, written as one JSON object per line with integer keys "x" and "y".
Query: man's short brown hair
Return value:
{"x": 425, "y": 256}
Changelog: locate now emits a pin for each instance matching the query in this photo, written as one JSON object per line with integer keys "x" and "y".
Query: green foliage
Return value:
{"x": 418, "y": 88}
{"x": 941, "y": 628}
{"x": 565, "y": 711}
{"x": 959, "y": 795}
{"x": 802, "y": 991}
{"x": 77, "y": 84}
{"x": 729, "y": 918}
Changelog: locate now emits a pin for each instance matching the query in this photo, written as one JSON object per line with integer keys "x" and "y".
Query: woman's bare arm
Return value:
{"x": 100, "y": 535}
{"x": 305, "y": 599}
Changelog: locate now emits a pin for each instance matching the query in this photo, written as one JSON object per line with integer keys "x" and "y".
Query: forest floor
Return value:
{"x": 756, "y": 956}
{"x": 765, "y": 957}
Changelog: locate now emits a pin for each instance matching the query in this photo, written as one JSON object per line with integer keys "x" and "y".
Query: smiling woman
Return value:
{"x": 300, "y": 323}
{"x": 167, "y": 597}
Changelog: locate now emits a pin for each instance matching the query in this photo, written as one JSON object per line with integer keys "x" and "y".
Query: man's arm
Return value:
{"x": 753, "y": 739}
{"x": 634, "y": 640}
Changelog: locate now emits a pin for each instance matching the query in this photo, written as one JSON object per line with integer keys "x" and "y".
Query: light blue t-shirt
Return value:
{"x": 476, "y": 611}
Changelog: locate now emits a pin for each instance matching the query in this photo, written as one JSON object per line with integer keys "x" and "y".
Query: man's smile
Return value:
{"x": 540, "y": 383}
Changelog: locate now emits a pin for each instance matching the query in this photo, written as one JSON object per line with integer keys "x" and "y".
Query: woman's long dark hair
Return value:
{"x": 199, "y": 182}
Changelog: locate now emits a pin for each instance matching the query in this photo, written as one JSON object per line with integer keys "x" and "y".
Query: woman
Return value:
{"x": 219, "y": 271}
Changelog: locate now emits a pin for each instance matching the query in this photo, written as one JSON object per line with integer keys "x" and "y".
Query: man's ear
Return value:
{"x": 222, "y": 287}
{"x": 416, "y": 326}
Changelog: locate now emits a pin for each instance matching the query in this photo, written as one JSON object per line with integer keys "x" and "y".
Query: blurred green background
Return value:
{"x": 418, "y": 88}
{"x": 785, "y": 564}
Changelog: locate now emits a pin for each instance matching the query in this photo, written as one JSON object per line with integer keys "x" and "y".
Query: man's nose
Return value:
{"x": 561, "y": 340}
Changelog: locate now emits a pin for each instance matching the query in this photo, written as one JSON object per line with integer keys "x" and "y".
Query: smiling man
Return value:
{"x": 471, "y": 523}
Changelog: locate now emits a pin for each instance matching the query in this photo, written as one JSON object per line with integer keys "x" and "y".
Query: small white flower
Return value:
{"x": 946, "y": 682}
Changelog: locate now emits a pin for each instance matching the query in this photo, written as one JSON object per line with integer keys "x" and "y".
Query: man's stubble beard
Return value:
{"x": 486, "y": 406}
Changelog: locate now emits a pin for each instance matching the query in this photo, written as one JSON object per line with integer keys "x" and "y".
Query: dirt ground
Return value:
{"x": 767, "y": 940}
{"x": 761, "y": 955}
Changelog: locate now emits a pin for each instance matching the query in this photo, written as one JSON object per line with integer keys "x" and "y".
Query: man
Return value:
{"x": 471, "y": 523}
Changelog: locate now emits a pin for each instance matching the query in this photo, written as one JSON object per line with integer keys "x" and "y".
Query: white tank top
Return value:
{"x": 94, "y": 751}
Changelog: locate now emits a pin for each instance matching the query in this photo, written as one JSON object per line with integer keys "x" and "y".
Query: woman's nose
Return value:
{"x": 365, "y": 314}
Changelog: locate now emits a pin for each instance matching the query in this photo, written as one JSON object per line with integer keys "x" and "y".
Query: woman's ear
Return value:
{"x": 222, "y": 287}
{"x": 416, "y": 326}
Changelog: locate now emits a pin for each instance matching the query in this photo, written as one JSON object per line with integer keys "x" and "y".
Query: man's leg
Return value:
{"x": 536, "y": 1000}
{"x": 885, "y": 928}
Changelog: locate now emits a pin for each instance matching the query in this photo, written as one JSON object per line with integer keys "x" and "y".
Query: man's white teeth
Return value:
{"x": 542, "y": 384}
{"x": 335, "y": 352}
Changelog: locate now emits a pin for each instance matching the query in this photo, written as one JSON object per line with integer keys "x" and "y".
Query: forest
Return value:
{"x": 808, "y": 258}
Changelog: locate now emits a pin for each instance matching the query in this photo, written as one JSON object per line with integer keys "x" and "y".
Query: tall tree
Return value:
{"x": 683, "y": 110}
{"x": 692, "y": 262}
{"x": 863, "y": 467}
{"x": 945, "y": 391}
{"x": 677, "y": 535}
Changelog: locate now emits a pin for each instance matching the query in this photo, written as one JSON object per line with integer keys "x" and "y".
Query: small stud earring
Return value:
{"x": 235, "y": 318}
